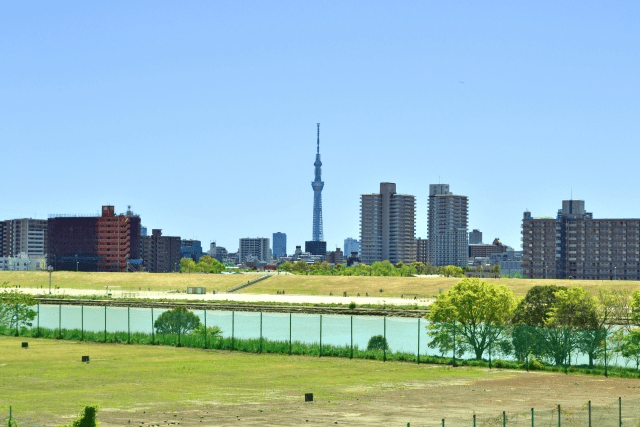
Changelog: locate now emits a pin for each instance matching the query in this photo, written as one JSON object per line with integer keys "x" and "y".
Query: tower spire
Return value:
{"x": 318, "y": 152}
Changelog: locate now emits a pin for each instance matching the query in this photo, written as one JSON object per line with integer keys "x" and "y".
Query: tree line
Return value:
{"x": 550, "y": 323}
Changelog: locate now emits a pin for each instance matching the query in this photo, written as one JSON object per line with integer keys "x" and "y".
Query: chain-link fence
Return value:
{"x": 611, "y": 350}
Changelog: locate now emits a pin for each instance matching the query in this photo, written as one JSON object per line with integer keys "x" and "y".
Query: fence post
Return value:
{"x": 474, "y": 420}
{"x": 59, "y": 322}
{"x": 179, "y": 327}
{"x": 454, "y": 348}
{"x": 419, "y": 353}
{"x": 620, "y": 410}
{"x": 290, "y": 322}
{"x": 504, "y": 419}
{"x": 38, "y": 319}
{"x": 105, "y": 322}
{"x": 10, "y": 414}
{"x": 128, "y": 325}
{"x": 233, "y": 325}
{"x": 153, "y": 334}
{"x": 320, "y": 336}
{"x": 82, "y": 321}
{"x": 559, "y": 420}
{"x": 351, "y": 357}
{"x": 384, "y": 331}
{"x": 443, "y": 422}
{"x": 205, "y": 329}
{"x": 260, "y": 332}
{"x": 532, "y": 419}
{"x": 605, "y": 353}
{"x": 589, "y": 413}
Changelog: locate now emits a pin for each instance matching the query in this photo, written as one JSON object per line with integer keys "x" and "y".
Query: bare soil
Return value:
{"x": 417, "y": 403}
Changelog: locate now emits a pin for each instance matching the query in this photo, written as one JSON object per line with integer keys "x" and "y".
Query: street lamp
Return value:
{"x": 77, "y": 264}
{"x": 50, "y": 269}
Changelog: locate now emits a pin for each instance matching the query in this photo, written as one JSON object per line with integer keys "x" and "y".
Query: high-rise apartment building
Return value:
{"x": 279, "y": 244}
{"x": 26, "y": 235}
{"x": 576, "y": 246}
{"x": 108, "y": 242}
{"x": 254, "y": 249}
{"x": 447, "y": 227}
{"x": 387, "y": 226}
{"x": 161, "y": 253}
{"x": 351, "y": 245}
{"x": 422, "y": 250}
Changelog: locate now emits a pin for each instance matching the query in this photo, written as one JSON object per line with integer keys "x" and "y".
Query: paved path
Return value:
{"x": 299, "y": 299}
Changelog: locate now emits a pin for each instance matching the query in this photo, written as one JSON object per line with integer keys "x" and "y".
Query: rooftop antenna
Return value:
{"x": 318, "y": 138}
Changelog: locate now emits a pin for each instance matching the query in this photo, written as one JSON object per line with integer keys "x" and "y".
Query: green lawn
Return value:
{"x": 396, "y": 286}
{"x": 125, "y": 281}
{"x": 48, "y": 381}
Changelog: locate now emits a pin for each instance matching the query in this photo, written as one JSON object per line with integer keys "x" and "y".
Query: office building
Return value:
{"x": 335, "y": 257}
{"x": 351, "y": 245}
{"x": 254, "y": 249}
{"x": 279, "y": 244}
{"x": 475, "y": 237}
{"x": 315, "y": 248}
{"x": 191, "y": 249}
{"x": 447, "y": 227}
{"x": 574, "y": 245}
{"x": 161, "y": 253}
{"x": 387, "y": 226}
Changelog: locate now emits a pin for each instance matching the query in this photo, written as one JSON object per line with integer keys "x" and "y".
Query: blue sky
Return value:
{"x": 202, "y": 115}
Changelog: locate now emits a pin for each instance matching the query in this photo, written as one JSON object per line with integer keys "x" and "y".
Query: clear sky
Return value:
{"x": 202, "y": 115}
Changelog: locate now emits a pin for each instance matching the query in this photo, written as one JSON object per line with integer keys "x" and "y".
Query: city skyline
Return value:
{"x": 186, "y": 112}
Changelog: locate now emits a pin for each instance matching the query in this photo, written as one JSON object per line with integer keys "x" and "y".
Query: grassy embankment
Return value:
{"x": 123, "y": 281}
{"x": 49, "y": 381}
{"x": 292, "y": 285}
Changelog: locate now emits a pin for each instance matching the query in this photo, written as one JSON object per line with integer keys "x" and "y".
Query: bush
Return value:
{"x": 535, "y": 364}
{"x": 377, "y": 342}
{"x": 352, "y": 305}
{"x": 87, "y": 418}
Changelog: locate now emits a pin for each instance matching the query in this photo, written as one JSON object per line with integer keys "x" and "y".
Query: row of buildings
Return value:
{"x": 105, "y": 242}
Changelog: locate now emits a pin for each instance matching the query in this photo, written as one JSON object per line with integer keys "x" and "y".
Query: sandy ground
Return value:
{"x": 421, "y": 404}
{"x": 231, "y": 297}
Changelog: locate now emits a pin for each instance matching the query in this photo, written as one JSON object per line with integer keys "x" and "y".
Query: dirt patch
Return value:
{"x": 418, "y": 403}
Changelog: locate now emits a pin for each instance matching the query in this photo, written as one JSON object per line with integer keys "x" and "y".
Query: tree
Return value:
{"x": 187, "y": 265}
{"x": 628, "y": 345}
{"x": 451, "y": 271}
{"x": 382, "y": 268}
{"x": 177, "y": 321}
{"x": 300, "y": 267}
{"x": 495, "y": 268}
{"x": 286, "y": 266}
{"x": 480, "y": 310}
{"x": 212, "y": 331}
{"x": 534, "y": 309}
{"x": 377, "y": 342}
{"x": 87, "y": 418}
{"x": 15, "y": 309}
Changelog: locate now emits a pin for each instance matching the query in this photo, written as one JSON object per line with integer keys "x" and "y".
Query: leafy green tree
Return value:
{"x": 534, "y": 309}
{"x": 87, "y": 418}
{"x": 187, "y": 265}
{"x": 377, "y": 342}
{"x": 382, "y": 268}
{"x": 300, "y": 267}
{"x": 451, "y": 271}
{"x": 15, "y": 309}
{"x": 286, "y": 266}
{"x": 627, "y": 344}
{"x": 495, "y": 268}
{"x": 176, "y": 321}
{"x": 339, "y": 270}
{"x": 480, "y": 309}
{"x": 212, "y": 331}
{"x": 320, "y": 269}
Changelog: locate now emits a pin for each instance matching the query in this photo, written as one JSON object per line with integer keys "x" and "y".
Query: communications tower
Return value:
{"x": 317, "y": 186}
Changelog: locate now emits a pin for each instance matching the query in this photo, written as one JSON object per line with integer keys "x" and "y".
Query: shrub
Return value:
{"x": 87, "y": 418}
{"x": 377, "y": 342}
{"x": 535, "y": 364}
{"x": 352, "y": 305}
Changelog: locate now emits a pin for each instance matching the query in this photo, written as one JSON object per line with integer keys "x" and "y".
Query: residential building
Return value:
{"x": 351, "y": 245}
{"x": 387, "y": 226}
{"x": 577, "y": 246}
{"x": 24, "y": 235}
{"x": 335, "y": 257}
{"x": 254, "y": 249}
{"x": 161, "y": 253}
{"x": 279, "y": 244}
{"x": 447, "y": 227}
{"x": 510, "y": 262}
{"x": 108, "y": 242}
{"x": 315, "y": 247}
{"x": 481, "y": 250}
{"x": 422, "y": 250}
{"x": 475, "y": 237}
{"x": 191, "y": 249}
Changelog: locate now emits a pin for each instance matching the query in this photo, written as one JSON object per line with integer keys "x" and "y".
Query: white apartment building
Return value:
{"x": 254, "y": 249}
{"x": 387, "y": 226}
{"x": 448, "y": 218}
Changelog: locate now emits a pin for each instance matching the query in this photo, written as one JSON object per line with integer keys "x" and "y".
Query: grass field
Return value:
{"x": 48, "y": 381}
{"x": 292, "y": 285}
{"x": 396, "y": 286}
{"x": 125, "y": 281}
